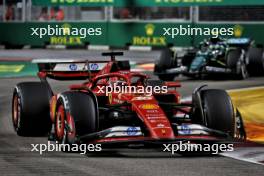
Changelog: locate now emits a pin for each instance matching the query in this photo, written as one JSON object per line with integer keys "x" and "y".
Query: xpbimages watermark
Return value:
{"x": 65, "y": 31}
{"x": 191, "y": 147}
{"x": 196, "y": 31}
{"x": 56, "y": 147}
{"x": 117, "y": 88}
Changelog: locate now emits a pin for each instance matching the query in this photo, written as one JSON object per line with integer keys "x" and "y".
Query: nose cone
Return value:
{"x": 154, "y": 118}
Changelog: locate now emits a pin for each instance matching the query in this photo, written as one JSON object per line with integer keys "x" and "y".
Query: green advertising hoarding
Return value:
{"x": 146, "y": 2}
{"x": 120, "y": 34}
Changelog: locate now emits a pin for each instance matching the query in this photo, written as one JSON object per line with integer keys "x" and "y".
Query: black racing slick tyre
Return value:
{"x": 165, "y": 62}
{"x": 30, "y": 109}
{"x": 76, "y": 115}
{"x": 218, "y": 110}
{"x": 256, "y": 61}
{"x": 233, "y": 57}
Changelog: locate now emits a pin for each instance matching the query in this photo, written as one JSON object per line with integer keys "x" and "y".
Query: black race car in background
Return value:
{"x": 235, "y": 57}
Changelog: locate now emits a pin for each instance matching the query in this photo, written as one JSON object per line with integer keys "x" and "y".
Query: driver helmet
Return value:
{"x": 215, "y": 40}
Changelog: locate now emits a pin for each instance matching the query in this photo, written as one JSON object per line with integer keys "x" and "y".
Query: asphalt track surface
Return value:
{"x": 17, "y": 159}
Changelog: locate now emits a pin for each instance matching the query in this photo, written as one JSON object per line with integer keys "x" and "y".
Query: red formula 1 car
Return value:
{"x": 87, "y": 113}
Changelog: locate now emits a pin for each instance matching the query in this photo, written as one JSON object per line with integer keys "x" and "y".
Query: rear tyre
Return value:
{"x": 256, "y": 61}
{"x": 218, "y": 110}
{"x": 30, "y": 109}
{"x": 165, "y": 62}
{"x": 76, "y": 115}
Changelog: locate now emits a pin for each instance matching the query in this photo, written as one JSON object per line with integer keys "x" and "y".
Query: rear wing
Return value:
{"x": 69, "y": 69}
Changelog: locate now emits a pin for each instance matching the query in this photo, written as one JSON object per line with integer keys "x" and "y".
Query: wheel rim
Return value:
{"x": 71, "y": 132}
{"x": 244, "y": 71}
{"x": 60, "y": 124}
{"x": 16, "y": 112}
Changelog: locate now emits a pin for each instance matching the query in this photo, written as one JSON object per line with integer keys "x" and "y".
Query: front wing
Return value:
{"x": 128, "y": 136}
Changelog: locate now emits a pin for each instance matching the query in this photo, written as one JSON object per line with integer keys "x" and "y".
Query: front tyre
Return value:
{"x": 165, "y": 62}
{"x": 76, "y": 115}
{"x": 218, "y": 110}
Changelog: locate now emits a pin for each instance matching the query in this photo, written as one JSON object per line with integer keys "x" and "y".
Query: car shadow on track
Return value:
{"x": 143, "y": 154}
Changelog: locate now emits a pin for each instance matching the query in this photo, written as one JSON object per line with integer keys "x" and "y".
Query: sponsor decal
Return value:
{"x": 185, "y": 129}
{"x": 156, "y": 114}
{"x": 159, "y": 116}
{"x": 149, "y": 39}
{"x": 65, "y": 40}
{"x": 94, "y": 66}
{"x": 160, "y": 125}
{"x": 118, "y": 101}
{"x": 131, "y": 131}
{"x": 73, "y": 67}
{"x": 148, "y": 106}
{"x": 152, "y": 111}
{"x": 142, "y": 98}
{"x": 70, "y": 67}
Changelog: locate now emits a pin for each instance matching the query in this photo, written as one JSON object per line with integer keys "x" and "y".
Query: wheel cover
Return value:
{"x": 60, "y": 125}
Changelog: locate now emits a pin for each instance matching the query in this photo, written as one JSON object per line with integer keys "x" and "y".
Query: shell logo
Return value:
{"x": 148, "y": 106}
{"x": 238, "y": 31}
